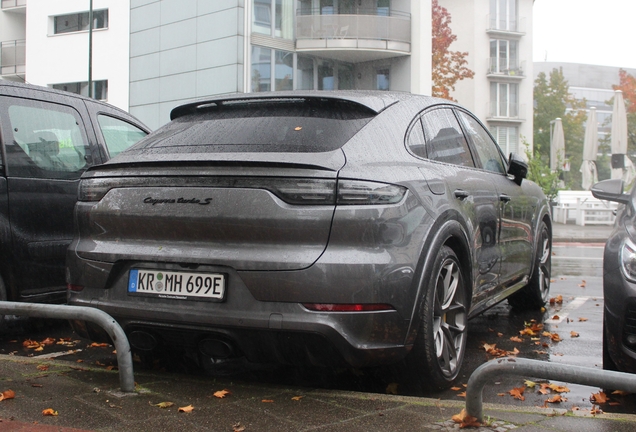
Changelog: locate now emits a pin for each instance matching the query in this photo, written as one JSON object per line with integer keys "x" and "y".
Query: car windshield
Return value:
{"x": 304, "y": 126}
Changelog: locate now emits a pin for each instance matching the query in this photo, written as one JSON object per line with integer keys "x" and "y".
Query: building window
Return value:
{"x": 282, "y": 24}
{"x": 503, "y": 15}
{"x": 504, "y": 57}
{"x": 504, "y": 100}
{"x": 79, "y": 22}
{"x": 261, "y": 69}
{"x": 384, "y": 7}
{"x": 284, "y": 77}
{"x": 382, "y": 79}
{"x": 100, "y": 88}
{"x": 326, "y": 77}
{"x": 507, "y": 138}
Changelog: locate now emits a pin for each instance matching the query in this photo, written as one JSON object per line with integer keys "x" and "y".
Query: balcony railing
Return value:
{"x": 502, "y": 66}
{"x": 506, "y": 24}
{"x": 6, "y": 4}
{"x": 506, "y": 111}
{"x": 12, "y": 57}
{"x": 390, "y": 26}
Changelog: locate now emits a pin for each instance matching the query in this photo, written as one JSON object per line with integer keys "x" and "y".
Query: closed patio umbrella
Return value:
{"x": 619, "y": 141}
{"x": 590, "y": 149}
{"x": 557, "y": 146}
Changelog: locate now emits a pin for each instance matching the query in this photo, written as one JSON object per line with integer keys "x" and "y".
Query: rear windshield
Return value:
{"x": 306, "y": 126}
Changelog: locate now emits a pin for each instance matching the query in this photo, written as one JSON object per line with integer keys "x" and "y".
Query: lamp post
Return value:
{"x": 90, "y": 49}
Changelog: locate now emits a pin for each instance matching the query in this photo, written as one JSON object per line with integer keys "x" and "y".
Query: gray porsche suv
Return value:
{"x": 357, "y": 228}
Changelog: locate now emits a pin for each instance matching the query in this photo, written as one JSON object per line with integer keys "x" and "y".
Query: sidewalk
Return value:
{"x": 88, "y": 399}
{"x": 570, "y": 233}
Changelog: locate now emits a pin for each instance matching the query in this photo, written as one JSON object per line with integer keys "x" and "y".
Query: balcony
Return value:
{"x": 504, "y": 68}
{"x": 506, "y": 112}
{"x": 360, "y": 37}
{"x": 12, "y": 59}
{"x": 14, "y": 4}
{"x": 506, "y": 26}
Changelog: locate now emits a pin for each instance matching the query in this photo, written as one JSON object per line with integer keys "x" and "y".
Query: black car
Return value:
{"x": 48, "y": 139}
{"x": 619, "y": 279}
{"x": 329, "y": 228}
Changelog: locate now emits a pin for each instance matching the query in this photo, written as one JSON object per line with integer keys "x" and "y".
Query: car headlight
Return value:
{"x": 628, "y": 260}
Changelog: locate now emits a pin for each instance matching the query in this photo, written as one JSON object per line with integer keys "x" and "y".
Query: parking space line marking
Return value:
{"x": 563, "y": 313}
{"x": 58, "y": 354}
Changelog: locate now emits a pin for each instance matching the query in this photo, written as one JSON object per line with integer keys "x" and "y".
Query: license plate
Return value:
{"x": 177, "y": 285}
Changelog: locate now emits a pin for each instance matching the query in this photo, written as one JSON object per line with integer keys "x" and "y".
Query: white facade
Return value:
{"x": 52, "y": 59}
{"x": 184, "y": 50}
{"x": 497, "y": 34}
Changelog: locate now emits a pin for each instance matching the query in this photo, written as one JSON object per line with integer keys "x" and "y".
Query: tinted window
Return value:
{"x": 118, "y": 134}
{"x": 445, "y": 141}
{"x": 487, "y": 150}
{"x": 416, "y": 142}
{"x": 45, "y": 140}
{"x": 307, "y": 126}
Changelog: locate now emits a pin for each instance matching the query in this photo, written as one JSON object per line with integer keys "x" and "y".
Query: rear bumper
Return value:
{"x": 263, "y": 331}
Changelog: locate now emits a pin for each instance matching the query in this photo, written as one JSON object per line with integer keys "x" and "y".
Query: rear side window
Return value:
{"x": 118, "y": 134}
{"x": 306, "y": 126}
{"x": 445, "y": 141}
{"x": 45, "y": 140}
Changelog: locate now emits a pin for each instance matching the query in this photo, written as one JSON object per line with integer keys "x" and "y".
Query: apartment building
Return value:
{"x": 182, "y": 50}
{"x": 497, "y": 34}
{"x": 46, "y": 42}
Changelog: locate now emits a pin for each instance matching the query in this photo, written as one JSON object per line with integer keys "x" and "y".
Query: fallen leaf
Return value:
{"x": 40, "y": 348}
{"x": 583, "y": 283}
{"x": 465, "y": 420}
{"x": 543, "y": 391}
{"x": 163, "y": 404}
{"x": 554, "y": 399}
{"x": 267, "y": 401}
{"x": 556, "y": 318}
{"x": 31, "y": 344}
{"x": 221, "y": 393}
{"x": 556, "y": 300}
{"x": 49, "y": 412}
{"x": 620, "y": 392}
{"x": 501, "y": 394}
{"x": 98, "y": 345}
{"x": 574, "y": 334}
{"x": 582, "y": 319}
{"x": 557, "y": 388}
{"x": 37, "y": 385}
{"x": 48, "y": 341}
{"x": 596, "y": 410}
{"x": 43, "y": 367}
{"x": 516, "y": 339}
{"x": 186, "y": 409}
{"x": 238, "y": 427}
{"x": 488, "y": 347}
{"x": 7, "y": 394}
{"x": 297, "y": 398}
{"x": 530, "y": 384}
{"x": 599, "y": 398}
{"x": 392, "y": 388}
{"x": 499, "y": 334}
{"x": 298, "y": 128}
{"x": 517, "y": 393}
{"x": 462, "y": 394}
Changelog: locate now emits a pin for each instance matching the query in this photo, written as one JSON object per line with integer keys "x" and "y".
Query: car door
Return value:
{"x": 469, "y": 190}
{"x": 47, "y": 148}
{"x": 516, "y": 208}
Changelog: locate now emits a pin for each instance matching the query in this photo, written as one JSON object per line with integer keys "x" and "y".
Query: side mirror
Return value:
{"x": 517, "y": 168}
{"x": 611, "y": 190}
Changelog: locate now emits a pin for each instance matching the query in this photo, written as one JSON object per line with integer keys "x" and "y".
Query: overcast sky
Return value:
{"x": 585, "y": 31}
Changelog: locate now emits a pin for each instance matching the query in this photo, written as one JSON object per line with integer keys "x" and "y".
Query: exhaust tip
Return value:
{"x": 216, "y": 348}
{"x": 142, "y": 340}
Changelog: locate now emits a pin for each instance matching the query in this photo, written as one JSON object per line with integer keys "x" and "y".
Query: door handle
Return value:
{"x": 504, "y": 198}
{"x": 461, "y": 194}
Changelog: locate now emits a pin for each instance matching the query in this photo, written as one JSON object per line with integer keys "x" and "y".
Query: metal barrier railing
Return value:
{"x": 101, "y": 318}
{"x": 488, "y": 372}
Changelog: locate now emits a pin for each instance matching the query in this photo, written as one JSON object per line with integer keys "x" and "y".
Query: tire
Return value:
{"x": 3, "y": 297}
{"x": 440, "y": 344}
{"x": 608, "y": 363}
{"x": 536, "y": 293}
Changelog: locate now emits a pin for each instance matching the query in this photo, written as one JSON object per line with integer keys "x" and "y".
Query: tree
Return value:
{"x": 448, "y": 66}
{"x": 552, "y": 99}
{"x": 627, "y": 84}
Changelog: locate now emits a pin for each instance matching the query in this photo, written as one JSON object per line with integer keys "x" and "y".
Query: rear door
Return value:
{"x": 469, "y": 190}
{"x": 47, "y": 149}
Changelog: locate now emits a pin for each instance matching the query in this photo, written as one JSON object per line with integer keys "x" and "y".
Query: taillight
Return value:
{"x": 345, "y": 307}
{"x": 297, "y": 191}
{"x": 355, "y": 192}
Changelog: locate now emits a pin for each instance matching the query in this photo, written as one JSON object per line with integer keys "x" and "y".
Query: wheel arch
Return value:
{"x": 450, "y": 230}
